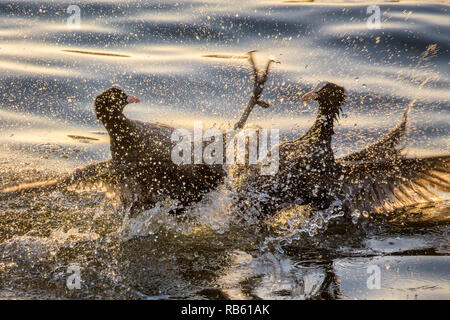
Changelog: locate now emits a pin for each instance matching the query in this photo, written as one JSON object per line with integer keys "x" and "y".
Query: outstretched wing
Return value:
{"x": 385, "y": 148}
{"x": 95, "y": 172}
{"x": 386, "y": 184}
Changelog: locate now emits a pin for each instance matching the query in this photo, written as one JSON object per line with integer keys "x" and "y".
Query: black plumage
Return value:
{"x": 307, "y": 168}
{"x": 376, "y": 178}
{"x": 141, "y": 167}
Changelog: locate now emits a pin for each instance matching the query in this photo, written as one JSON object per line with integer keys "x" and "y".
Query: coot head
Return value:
{"x": 110, "y": 103}
{"x": 330, "y": 97}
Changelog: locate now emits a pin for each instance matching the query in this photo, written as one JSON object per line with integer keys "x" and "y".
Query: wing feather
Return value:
{"x": 385, "y": 148}
{"x": 390, "y": 184}
{"x": 95, "y": 172}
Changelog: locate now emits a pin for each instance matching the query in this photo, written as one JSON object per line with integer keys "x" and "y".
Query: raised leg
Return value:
{"x": 259, "y": 80}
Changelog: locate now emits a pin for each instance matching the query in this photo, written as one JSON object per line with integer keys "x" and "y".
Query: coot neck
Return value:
{"x": 325, "y": 120}
{"x": 114, "y": 122}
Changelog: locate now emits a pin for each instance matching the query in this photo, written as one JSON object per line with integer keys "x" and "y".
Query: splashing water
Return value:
{"x": 162, "y": 53}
